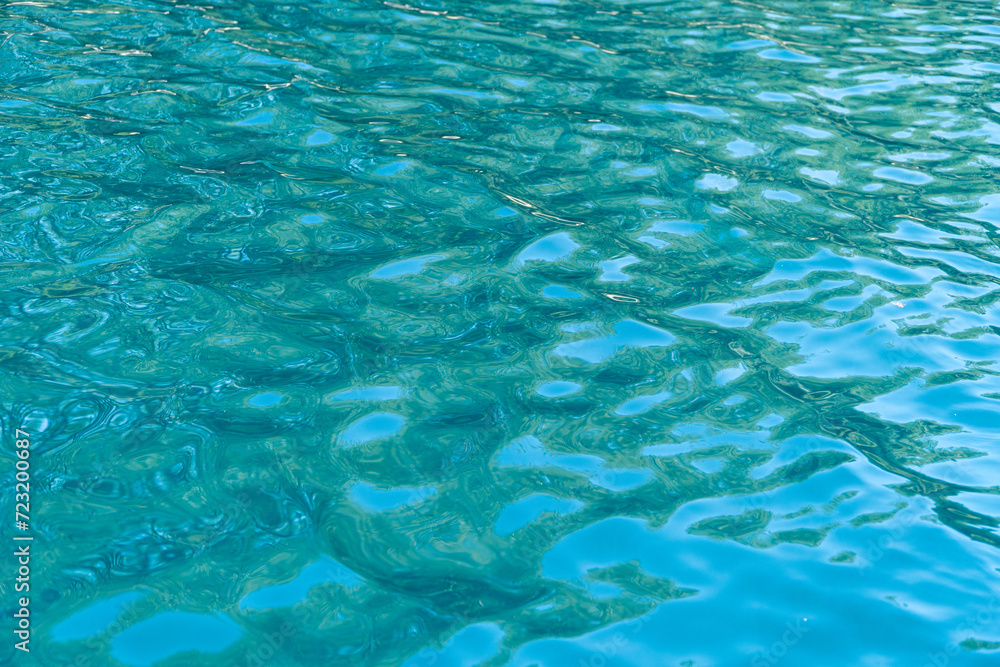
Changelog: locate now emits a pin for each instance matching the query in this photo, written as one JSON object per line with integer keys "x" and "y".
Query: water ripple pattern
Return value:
{"x": 547, "y": 333}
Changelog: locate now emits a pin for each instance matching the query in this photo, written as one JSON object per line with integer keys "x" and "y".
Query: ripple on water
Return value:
{"x": 520, "y": 334}
{"x": 171, "y": 633}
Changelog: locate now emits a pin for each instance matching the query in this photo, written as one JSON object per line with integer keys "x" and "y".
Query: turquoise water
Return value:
{"x": 543, "y": 334}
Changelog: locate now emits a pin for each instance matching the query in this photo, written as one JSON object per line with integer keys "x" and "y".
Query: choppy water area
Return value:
{"x": 534, "y": 334}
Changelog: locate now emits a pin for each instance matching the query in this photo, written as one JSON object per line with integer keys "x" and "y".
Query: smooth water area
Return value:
{"x": 556, "y": 333}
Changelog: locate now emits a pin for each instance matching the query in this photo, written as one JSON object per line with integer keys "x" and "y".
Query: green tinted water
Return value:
{"x": 535, "y": 334}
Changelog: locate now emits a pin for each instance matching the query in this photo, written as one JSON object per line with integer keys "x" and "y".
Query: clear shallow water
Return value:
{"x": 505, "y": 334}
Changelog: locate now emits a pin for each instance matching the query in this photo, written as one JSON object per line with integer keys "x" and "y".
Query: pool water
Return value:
{"x": 555, "y": 333}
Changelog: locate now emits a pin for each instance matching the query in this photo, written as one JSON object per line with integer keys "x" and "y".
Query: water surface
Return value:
{"x": 543, "y": 334}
